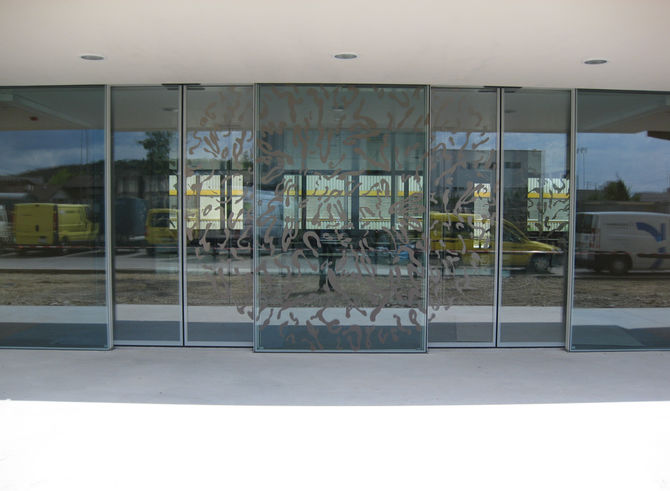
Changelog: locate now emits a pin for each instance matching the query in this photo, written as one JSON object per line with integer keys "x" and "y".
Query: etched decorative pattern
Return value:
{"x": 218, "y": 189}
{"x": 462, "y": 211}
{"x": 340, "y": 209}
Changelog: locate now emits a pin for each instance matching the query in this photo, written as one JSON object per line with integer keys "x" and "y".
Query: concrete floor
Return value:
{"x": 169, "y": 418}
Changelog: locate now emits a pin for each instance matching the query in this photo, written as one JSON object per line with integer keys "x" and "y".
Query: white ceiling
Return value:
{"x": 531, "y": 43}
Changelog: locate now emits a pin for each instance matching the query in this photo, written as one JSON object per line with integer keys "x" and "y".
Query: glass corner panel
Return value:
{"x": 52, "y": 244}
{"x": 622, "y": 260}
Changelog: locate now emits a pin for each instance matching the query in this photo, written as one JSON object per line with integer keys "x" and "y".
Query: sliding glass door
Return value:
{"x": 146, "y": 215}
{"x": 340, "y": 250}
{"x": 463, "y": 212}
{"x": 535, "y": 217}
{"x": 218, "y": 221}
{"x": 182, "y": 215}
{"x": 339, "y": 218}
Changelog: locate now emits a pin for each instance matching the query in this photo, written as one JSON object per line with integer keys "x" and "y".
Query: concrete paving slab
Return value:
{"x": 237, "y": 376}
{"x": 467, "y": 419}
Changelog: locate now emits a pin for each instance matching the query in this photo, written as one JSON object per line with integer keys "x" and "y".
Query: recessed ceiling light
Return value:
{"x": 92, "y": 57}
{"x": 595, "y": 61}
{"x": 346, "y": 56}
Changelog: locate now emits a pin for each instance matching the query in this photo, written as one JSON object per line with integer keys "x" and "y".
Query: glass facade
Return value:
{"x": 622, "y": 260}
{"x": 52, "y": 220}
{"x": 333, "y": 217}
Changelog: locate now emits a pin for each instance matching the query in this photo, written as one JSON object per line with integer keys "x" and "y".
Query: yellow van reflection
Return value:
{"x": 469, "y": 239}
{"x": 161, "y": 230}
{"x": 53, "y": 225}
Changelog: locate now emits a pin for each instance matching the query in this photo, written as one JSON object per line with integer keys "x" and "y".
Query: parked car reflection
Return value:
{"x": 470, "y": 239}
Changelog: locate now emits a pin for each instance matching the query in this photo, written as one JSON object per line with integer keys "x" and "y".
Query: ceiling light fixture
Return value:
{"x": 595, "y": 61}
{"x": 91, "y": 57}
{"x": 345, "y": 56}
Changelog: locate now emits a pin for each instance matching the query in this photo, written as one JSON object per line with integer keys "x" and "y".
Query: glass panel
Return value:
{"x": 146, "y": 215}
{"x": 52, "y": 249}
{"x": 536, "y": 207}
{"x": 622, "y": 299}
{"x": 340, "y": 218}
{"x": 462, "y": 209}
{"x": 219, "y": 225}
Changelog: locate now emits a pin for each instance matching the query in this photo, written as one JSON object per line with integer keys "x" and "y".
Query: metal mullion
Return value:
{"x": 569, "y": 300}
{"x": 426, "y": 214}
{"x": 181, "y": 183}
{"x": 254, "y": 249}
{"x": 393, "y": 183}
{"x": 109, "y": 231}
{"x": 303, "y": 201}
{"x": 499, "y": 189}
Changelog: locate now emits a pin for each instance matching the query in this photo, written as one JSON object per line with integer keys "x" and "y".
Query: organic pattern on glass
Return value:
{"x": 218, "y": 205}
{"x": 462, "y": 212}
{"x": 340, "y": 210}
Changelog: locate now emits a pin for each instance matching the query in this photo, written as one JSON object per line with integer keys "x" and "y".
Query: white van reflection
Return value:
{"x": 620, "y": 241}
